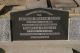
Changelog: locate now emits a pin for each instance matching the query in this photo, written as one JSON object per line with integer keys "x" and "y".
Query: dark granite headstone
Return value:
{"x": 39, "y": 24}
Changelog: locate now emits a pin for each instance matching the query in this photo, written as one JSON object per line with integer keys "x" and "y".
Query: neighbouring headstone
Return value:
{"x": 5, "y": 34}
{"x": 39, "y": 24}
{"x": 74, "y": 28}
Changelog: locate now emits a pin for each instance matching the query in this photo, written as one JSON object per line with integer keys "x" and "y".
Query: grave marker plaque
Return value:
{"x": 39, "y": 24}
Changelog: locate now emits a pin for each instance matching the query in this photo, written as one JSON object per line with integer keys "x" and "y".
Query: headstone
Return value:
{"x": 5, "y": 29}
{"x": 74, "y": 28}
{"x": 39, "y": 24}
